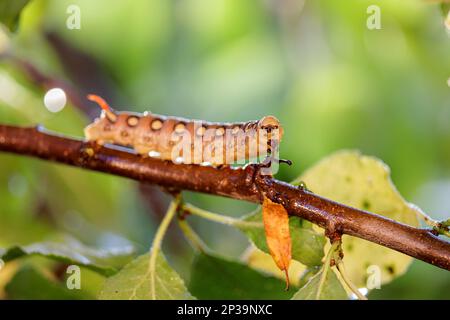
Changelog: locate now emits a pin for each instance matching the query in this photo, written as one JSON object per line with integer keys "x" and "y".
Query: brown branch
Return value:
{"x": 240, "y": 183}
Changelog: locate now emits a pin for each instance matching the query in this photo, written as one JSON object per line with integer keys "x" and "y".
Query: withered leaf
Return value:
{"x": 278, "y": 237}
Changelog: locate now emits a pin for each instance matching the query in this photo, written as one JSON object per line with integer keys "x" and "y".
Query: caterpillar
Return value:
{"x": 183, "y": 140}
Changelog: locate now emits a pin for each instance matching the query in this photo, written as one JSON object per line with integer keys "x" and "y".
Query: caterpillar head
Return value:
{"x": 271, "y": 123}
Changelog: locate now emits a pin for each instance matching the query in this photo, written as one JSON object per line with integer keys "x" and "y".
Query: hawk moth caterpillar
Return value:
{"x": 183, "y": 140}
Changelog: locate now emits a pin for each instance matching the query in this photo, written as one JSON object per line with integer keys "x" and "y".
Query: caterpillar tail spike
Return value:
{"x": 109, "y": 112}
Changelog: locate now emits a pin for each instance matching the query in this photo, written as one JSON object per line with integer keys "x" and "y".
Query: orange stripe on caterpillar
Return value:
{"x": 184, "y": 140}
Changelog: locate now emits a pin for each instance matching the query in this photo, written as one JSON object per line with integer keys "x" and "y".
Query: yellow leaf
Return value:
{"x": 262, "y": 261}
{"x": 278, "y": 237}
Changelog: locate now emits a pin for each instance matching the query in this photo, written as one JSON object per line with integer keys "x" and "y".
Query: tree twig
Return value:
{"x": 238, "y": 183}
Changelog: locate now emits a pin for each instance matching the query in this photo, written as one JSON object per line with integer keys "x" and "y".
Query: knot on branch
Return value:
{"x": 87, "y": 152}
{"x": 333, "y": 230}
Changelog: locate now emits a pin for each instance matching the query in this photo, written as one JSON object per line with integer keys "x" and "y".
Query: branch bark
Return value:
{"x": 238, "y": 183}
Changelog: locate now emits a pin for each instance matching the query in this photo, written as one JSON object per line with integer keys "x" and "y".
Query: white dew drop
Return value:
{"x": 55, "y": 100}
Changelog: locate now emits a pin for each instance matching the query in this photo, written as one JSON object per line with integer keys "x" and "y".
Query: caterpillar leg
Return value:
{"x": 266, "y": 168}
{"x": 270, "y": 159}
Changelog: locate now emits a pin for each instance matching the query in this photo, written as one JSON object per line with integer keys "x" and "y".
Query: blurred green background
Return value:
{"x": 332, "y": 82}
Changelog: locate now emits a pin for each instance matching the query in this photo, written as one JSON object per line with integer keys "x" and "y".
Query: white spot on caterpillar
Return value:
{"x": 55, "y": 100}
{"x": 179, "y": 160}
{"x": 154, "y": 154}
{"x": 180, "y": 127}
{"x": 133, "y": 121}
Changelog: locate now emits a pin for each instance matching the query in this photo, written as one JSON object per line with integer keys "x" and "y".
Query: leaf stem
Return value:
{"x": 192, "y": 236}
{"x": 348, "y": 282}
{"x": 220, "y": 218}
{"x": 157, "y": 240}
{"x": 337, "y": 256}
{"x": 326, "y": 268}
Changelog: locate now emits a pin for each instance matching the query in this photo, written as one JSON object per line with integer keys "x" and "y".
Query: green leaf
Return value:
{"x": 71, "y": 251}
{"x": 30, "y": 284}
{"x": 10, "y": 12}
{"x": 363, "y": 182}
{"x": 330, "y": 289}
{"x": 214, "y": 277}
{"x": 307, "y": 244}
{"x": 133, "y": 282}
{"x": 307, "y": 275}
{"x": 445, "y": 8}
